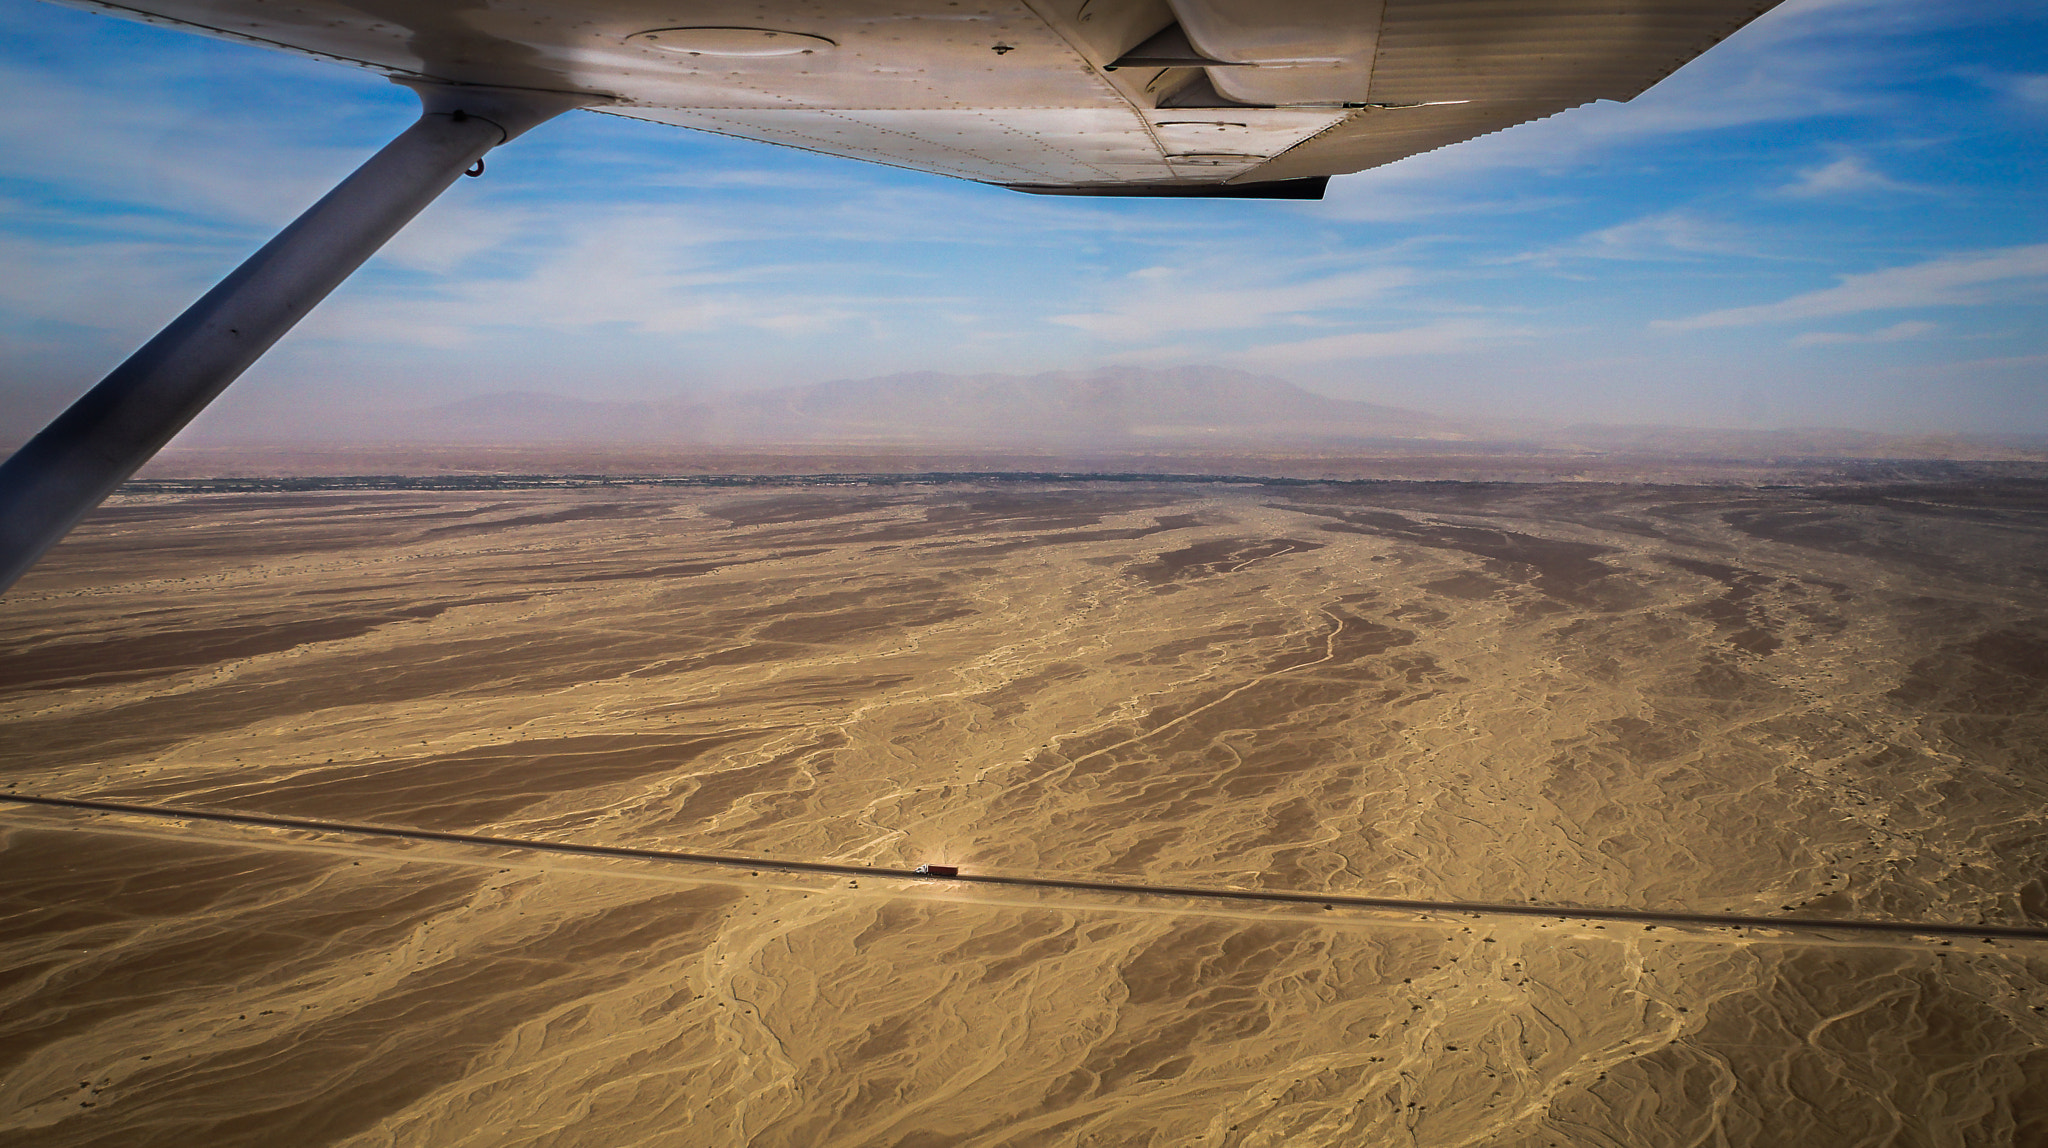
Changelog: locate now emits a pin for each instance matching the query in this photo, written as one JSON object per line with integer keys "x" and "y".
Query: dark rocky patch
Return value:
{"x": 1214, "y": 556}
{"x": 107, "y": 661}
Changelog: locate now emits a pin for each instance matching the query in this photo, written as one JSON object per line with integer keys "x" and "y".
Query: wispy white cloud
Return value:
{"x": 1953, "y": 280}
{"x": 1430, "y": 186}
{"x": 625, "y": 270}
{"x": 114, "y": 285}
{"x": 1800, "y": 61}
{"x": 2029, "y": 90}
{"x": 2004, "y": 361}
{"x": 229, "y": 164}
{"x": 1234, "y": 294}
{"x": 1897, "y": 332}
{"x": 1665, "y": 235}
{"x": 451, "y": 235}
{"x": 1447, "y": 337}
{"x": 1849, "y": 175}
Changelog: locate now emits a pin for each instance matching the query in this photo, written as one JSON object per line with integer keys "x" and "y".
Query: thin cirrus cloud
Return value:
{"x": 622, "y": 271}
{"x": 1450, "y": 336}
{"x": 1681, "y": 234}
{"x": 1791, "y": 67}
{"x": 597, "y": 271}
{"x": 1849, "y": 175}
{"x": 2027, "y": 89}
{"x": 1897, "y": 332}
{"x": 1951, "y": 281}
{"x": 185, "y": 159}
{"x": 1155, "y": 302}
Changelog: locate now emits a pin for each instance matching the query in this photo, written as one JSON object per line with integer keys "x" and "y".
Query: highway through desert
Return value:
{"x": 1795, "y": 925}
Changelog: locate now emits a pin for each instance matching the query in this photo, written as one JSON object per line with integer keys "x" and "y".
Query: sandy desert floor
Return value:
{"x": 1823, "y": 702}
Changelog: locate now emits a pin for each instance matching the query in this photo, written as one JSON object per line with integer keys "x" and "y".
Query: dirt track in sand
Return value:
{"x": 1718, "y": 701}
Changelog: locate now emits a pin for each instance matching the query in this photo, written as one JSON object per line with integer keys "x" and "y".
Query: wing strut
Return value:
{"x": 107, "y": 435}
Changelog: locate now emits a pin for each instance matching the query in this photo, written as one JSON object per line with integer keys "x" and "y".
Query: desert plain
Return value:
{"x": 1763, "y": 701}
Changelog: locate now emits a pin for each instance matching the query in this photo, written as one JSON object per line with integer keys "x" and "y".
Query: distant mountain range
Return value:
{"x": 1094, "y": 410}
{"x": 1115, "y": 409}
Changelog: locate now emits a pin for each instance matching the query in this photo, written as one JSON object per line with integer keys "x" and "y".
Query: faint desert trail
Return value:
{"x": 1330, "y": 653}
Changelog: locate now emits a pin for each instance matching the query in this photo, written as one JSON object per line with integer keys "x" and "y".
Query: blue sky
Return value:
{"x": 1835, "y": 218}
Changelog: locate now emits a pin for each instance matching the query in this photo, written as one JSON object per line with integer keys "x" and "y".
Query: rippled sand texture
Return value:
{"x": 1725, "y": 700}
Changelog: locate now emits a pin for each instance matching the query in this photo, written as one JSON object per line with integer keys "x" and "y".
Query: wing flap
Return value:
{"x": 1567, "y": 51}
{"x": 1453, "y": 70}
{"x": 1374, "y": 137}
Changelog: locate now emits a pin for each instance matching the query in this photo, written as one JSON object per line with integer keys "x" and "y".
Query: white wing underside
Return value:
{"x": 1028, "y": 93}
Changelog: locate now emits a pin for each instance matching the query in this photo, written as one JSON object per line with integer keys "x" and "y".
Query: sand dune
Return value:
{"x": 1728, "y": 700}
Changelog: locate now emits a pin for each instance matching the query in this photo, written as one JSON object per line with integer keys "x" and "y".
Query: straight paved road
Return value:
{"x": 1121, "y": 888}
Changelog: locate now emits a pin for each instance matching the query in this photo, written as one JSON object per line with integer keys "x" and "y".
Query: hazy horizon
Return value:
{"x": 1094, "y": 418}
{"x": 1099, "y": 415}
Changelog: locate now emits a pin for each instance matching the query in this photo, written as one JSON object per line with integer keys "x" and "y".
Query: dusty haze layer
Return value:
{"x": 1744, "y": 700}
{"x": 1187, "y": 418}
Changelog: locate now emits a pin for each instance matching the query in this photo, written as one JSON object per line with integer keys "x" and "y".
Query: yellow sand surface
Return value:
{"x": 1761, "y": 701}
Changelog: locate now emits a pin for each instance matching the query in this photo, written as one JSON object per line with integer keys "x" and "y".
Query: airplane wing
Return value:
{"x": 1148, "y": 97}
{"x": 1253, "y": 98}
